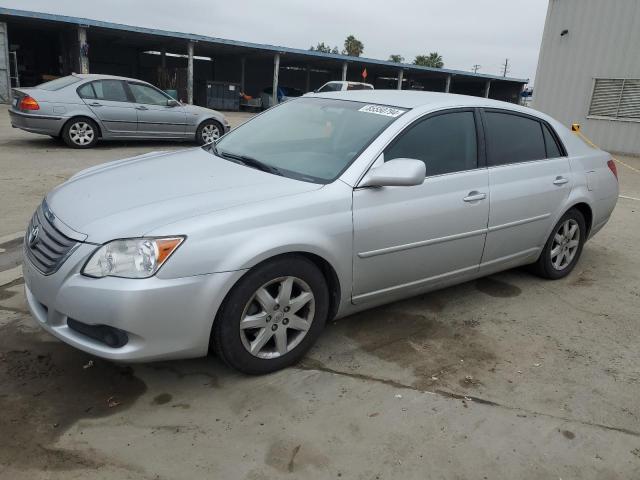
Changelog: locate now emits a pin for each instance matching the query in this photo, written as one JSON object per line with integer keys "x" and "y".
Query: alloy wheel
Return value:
{"x": 81, "y": 133}
{"x": 210, "y": 133}
{"x": 277, "y": 317}
{"x": 566, "y": 241}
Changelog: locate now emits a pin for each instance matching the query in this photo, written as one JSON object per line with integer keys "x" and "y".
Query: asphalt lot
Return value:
{"x": 506, "y": 377}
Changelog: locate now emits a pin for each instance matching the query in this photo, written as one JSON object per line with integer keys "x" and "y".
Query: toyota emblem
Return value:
{"x": 32, "y": 240}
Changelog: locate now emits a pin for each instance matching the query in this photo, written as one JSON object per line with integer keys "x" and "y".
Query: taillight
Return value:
{"x": 612, "y": 166}
{"x": 28, "y": 103}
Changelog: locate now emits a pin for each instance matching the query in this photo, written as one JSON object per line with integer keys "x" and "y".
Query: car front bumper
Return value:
{"x": 162, "y": 318}
{"x": 36, "y": 123}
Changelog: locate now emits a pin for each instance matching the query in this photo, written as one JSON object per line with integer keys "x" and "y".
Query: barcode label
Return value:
{"x": 380, "y": 110}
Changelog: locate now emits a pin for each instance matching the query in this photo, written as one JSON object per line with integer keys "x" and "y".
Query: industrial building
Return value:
{"x": 36, "y": 46}
{"x": 589, "y": 70}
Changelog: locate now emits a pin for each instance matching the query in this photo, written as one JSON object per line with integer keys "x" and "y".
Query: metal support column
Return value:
{"x": 447, "y": 85}
{"x": 5, "y": 67}
{"x": 308, "y": 79}
{"x": 344, "y": 71}
{"x": 243, "y": 62}
{"x": 400, "y": 78}
{"x": 83, "y": 50}
{"x": 163, "y": 59}
{"x": 276, "y": 71}
{"x": 487, "y": 87}
{"x": 190, "y": 73}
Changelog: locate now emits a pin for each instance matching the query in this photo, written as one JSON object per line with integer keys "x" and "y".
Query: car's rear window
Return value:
{"x": 58, "y": 83}
{"x": 331, "y": 87}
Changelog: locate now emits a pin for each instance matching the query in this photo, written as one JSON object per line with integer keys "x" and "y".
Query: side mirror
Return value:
{"x": 399, "y": 172}
{"x": 173, "y": 103}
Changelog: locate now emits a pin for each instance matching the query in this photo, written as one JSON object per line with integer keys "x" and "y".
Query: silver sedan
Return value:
{"x": 320, "y": 207}
{"x": 81, "y": 109}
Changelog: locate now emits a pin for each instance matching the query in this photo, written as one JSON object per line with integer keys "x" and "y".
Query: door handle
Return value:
{"x": 140, "y": 107}
{"x": 95, "y": 104}
{"x": 474, "y": 196}
{"x": 560, "y": 180}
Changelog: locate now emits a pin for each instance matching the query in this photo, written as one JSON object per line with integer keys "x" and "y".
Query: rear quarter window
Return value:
{"x": 553, "y": 149}
{"x": 86, "y": 91}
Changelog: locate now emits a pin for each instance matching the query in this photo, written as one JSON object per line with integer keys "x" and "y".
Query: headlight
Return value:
{"x": 131, "y": 258}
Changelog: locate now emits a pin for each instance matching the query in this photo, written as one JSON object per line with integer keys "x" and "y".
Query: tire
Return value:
{"x": 550, "y": 265}
{"x": 206, "y": 132}
{"x": 80, "y": 132}
{"x": 233, "y": 344}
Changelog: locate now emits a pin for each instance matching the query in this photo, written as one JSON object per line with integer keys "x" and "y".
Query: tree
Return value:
{"x": 396, "y": 58}
{"x": 353, "y": 47}
{"x": 321, "y": 47}
{"x": 434, "y": 59}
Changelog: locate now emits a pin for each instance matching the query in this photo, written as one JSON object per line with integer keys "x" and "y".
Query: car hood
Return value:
{"x": 129, "y": 198}
{"x": 197, "y": 110}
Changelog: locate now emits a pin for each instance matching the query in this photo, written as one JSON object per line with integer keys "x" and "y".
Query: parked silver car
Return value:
{"x": 84, "y": 108}
{"x": 316, "y": 209}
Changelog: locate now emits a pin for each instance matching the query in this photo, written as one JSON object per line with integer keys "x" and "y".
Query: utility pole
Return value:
{"x": 476, "y": 67}
{"x": 505, "y": 68}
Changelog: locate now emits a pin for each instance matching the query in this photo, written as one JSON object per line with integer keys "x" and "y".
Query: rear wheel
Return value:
{"x": 80, "y": 133}
{"x": 563, "y": 247}
{"x": 272, "y": 316}
{"x": 209, "y": 131}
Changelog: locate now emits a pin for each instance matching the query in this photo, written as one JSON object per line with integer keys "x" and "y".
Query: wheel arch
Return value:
{"x": 210, "y": 117}
{"x": 586, "y": 211}
{"x": 326, "y": 268}
{"x": 78, "y": 116}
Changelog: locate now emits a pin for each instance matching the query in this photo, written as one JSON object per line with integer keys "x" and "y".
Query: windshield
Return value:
{"x": 310, "y": 139}
{"x": 58, "y": 83}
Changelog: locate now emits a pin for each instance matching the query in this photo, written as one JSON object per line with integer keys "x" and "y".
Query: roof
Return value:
{"x": 417, "y": 98}
{"x": 95, "y": 76}
{"x": 10, "y": 12}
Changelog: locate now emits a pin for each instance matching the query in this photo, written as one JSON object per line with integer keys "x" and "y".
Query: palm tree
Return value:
{"x": 321, "y": 47}
{"x": 353, "y": 47}
{"x": 434, "y": 59}
{"x": 396, "y": 58}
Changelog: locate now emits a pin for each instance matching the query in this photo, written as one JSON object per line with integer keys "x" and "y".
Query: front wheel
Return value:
{"x": 209, "y": 131}
{"x": 80, "y": 133}
{"x": 272, "y": 316}
{"x": 563, "y": 247}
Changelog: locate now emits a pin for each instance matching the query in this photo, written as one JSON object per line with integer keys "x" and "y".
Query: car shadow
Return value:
{"x": 47, "y": 143}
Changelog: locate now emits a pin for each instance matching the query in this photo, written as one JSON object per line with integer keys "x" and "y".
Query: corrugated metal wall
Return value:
{"x": 603, "y": 41}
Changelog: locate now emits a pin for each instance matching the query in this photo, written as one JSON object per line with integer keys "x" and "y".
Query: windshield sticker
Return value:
{"x": 380, "y": 110}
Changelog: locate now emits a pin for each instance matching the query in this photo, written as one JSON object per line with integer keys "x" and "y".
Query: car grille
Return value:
{"x": 47, "y": 247}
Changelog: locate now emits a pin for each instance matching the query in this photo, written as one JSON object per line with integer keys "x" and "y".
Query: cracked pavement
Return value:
{"x": 506, "y": 377}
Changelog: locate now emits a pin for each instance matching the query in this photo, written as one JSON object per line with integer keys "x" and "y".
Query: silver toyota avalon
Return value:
{"x": 80, "y": 109}
{"x": 320, "y": 207}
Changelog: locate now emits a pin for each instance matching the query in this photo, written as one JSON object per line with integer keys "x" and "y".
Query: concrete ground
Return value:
{"x": 507, "y": 377}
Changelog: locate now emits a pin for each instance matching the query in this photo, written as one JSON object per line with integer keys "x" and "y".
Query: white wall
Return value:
{"x": 603, "y": 42}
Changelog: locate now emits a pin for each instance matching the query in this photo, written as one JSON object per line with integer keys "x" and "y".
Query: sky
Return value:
{"x": 464, "y": 32}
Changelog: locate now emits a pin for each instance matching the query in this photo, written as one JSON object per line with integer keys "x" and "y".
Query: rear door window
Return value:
{"x": 110, "y": 90}
{"x": 513, "y": 139}
{"x": 446, "y": 143}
